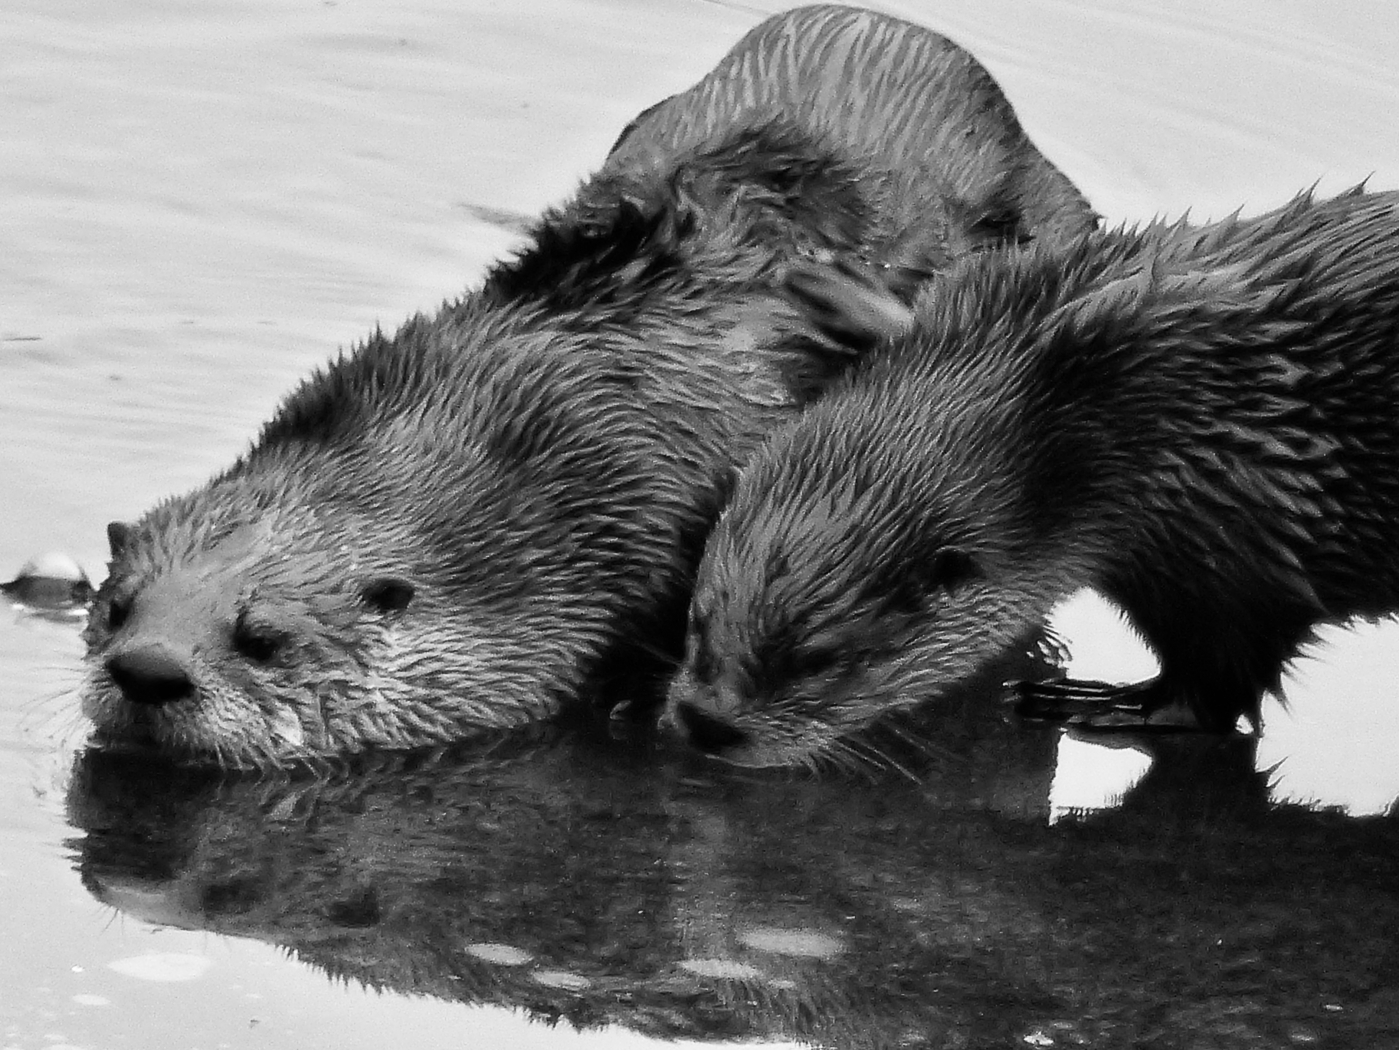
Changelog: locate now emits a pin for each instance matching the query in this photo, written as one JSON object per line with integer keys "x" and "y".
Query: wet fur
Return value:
{"x": 466, "y": 523}
{"x": 1198, "y": 422}
{"x": 537, "y": 464}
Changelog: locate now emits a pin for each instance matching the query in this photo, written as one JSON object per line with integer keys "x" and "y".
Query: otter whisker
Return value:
{"x": 884, "y": 760}
{"x": 847, "y": 757}
{"x": 920, "y": 744}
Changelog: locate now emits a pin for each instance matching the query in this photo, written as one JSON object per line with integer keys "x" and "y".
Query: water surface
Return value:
{"x": 200, "y": 203}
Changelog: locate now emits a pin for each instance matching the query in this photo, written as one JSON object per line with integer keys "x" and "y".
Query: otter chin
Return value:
{"x": 1195, "y": 421}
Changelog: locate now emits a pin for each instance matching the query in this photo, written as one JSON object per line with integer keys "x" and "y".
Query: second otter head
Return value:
{"x": 816, "y": 613}
{"x": 873, "y": 556}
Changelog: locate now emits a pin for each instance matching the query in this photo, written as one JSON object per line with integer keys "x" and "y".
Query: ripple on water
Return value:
{"x": 162, "y": 967}
{"x": 500, "y": 954}
{"x": 797, "y": 942}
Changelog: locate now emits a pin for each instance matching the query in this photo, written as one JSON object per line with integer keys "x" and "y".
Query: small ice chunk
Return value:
{"x": 50, "y": 581}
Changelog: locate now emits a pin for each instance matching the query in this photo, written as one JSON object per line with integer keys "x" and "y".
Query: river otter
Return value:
{"x": 463, "y": 524}
{"x": 1197, "y": 422}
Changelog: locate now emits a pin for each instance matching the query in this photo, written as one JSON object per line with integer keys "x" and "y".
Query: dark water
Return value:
{"x": 199, "y": 203}
{"x": 595, "y": 882}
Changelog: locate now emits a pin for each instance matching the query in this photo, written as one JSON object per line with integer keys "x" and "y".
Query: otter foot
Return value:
{"x": 1103, "y": 705}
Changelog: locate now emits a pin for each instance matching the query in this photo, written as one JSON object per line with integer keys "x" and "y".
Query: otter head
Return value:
{"x": 817, "y": 611}
{"x": 246, "y": 641}
{"x": 251, "y": 624}
{"x": 870, "y": 559}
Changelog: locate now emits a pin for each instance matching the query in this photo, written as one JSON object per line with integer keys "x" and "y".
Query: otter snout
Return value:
{"x": 704, "y": 716}
{"x": 150, "y": 675}
{"x": 707, "y": 730}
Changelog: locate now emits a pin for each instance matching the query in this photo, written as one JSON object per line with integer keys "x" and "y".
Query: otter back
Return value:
{"x": 911, "y": 102}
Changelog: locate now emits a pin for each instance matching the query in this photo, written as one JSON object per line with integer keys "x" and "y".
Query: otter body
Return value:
{"x": 925, "y": 114}
{"x": 465, "y": 524}
{"x": 1198, "y": 422}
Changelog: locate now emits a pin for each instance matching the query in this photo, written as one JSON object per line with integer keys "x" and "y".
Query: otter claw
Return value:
{"x": 1101, "y": 705}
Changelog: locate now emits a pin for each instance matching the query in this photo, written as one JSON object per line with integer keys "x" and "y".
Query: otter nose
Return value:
{"x": 150, "y": 675}
{"x": 706, "y": 730}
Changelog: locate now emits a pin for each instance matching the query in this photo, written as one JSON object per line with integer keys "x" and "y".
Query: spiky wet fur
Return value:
{"x": 1197, "y": 421}
{"x": 539, "y": 460}
{"x": 531, "y": 471}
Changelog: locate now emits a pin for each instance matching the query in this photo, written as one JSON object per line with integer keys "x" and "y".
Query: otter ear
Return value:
{"x": 847, "y": 304}
{"x": 119, "y": 537}
{"x": 387, "y": 594}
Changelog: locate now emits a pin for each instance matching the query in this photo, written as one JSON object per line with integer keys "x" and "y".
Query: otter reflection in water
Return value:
{"x": 583, "y": 881}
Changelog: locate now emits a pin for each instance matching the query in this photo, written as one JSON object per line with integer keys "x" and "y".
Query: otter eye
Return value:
{"x": 943, "y": 571}
{"x": 118, "y": 612}
{"x": 257, "y": 643}
{"x": 387, "y": 594}
{"x": 814, "y": 662}
{"x": 951, "y": 568}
